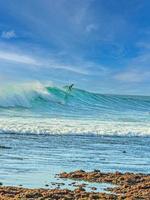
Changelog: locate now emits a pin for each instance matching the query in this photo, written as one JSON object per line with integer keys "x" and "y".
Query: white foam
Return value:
{"x": 22, "y": 94}
{"x": 65, "y": 126}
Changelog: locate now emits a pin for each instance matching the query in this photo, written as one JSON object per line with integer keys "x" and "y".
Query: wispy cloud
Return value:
{"x": 19, "y": 58}
{"x": 133, "y": 76}
{"x": 91, "y": 27}
{"x": 83, "y": 68}
{"x": 56, "y": 64}
{"x": 8, "y": 34}
{"x": 137, "y": 70}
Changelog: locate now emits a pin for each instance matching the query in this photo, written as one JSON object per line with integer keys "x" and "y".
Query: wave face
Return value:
{"x": 34, "y": 108}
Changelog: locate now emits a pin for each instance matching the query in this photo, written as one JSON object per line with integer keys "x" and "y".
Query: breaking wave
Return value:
{"x": 35, "y": 108}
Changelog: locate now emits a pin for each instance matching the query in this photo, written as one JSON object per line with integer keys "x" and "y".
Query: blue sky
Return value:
{"x": 99, "y": 45}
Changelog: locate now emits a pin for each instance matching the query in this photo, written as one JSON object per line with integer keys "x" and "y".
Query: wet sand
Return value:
{"x": 129, "y": 186}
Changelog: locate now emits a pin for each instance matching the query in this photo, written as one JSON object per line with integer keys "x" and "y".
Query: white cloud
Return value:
{"x": 36, "y": 59}
{"x": 8, "y": 34}
{"x": 58, "y": 65}
{"x": 77, "y": 66}
{"x": 19, "y": 58}
{"x": 40, "y": 62}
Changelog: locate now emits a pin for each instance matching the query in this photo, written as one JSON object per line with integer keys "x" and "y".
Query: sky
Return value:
{"x": 101, "y": 46}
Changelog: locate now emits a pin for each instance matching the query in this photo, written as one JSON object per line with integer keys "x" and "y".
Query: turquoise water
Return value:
{"x": 39, "y": 109}
{"x": 47, "y": 130}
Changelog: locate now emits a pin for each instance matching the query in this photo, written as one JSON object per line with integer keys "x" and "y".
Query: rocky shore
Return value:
{"x": 129, "y": 186}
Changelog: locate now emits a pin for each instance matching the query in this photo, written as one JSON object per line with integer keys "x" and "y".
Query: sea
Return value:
{"x": 45, "y": 130}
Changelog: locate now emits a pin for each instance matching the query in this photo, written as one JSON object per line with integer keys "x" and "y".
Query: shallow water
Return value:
{"x": 33, "y": 160}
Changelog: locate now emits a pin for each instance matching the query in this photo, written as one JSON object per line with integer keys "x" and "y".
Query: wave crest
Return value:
{"x": 28, "y": 95}
{"x": 22, "y": 95}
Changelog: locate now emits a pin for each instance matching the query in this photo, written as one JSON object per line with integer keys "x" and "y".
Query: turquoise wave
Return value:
{"x": 77, "y": 103}
{"x": 40, "y": 109}
{"x": 78, "y": 97}
{"x": 76, "y": 100}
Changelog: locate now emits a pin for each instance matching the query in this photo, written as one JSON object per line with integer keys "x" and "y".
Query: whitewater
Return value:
{"x": 36, "y": 108}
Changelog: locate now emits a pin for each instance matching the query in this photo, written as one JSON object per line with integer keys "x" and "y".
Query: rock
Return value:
{"x": 93, "y": 188}
{"x": 129, "y": 186}
{"x": 33, "y": 195}
{"x": 96, "y": 170}
{"x": 4, "y": 147}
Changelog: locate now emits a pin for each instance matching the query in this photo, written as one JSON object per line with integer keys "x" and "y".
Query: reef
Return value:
{"x": 128, "y": 186}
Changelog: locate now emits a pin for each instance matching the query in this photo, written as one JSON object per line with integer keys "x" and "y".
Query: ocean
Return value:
{"x": 45, "y": 130}
{"x": 34, "y": 108}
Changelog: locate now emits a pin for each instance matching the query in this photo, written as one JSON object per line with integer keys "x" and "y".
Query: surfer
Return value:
{"x": 68, "y": 91}
{"x": 70, "y": 87}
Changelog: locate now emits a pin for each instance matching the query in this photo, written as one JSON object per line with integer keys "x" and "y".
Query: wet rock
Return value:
{"x": 33, "y": 195}
{"x": 79, "y": 190}
{"x": 4, "y": 147}
{"x": 73, "y": 183}
{"x": 60, "y": 184}
{"x": 129, "y": 186}
{"x": 93, "y": 188}
{"x": 97, "y": 170}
